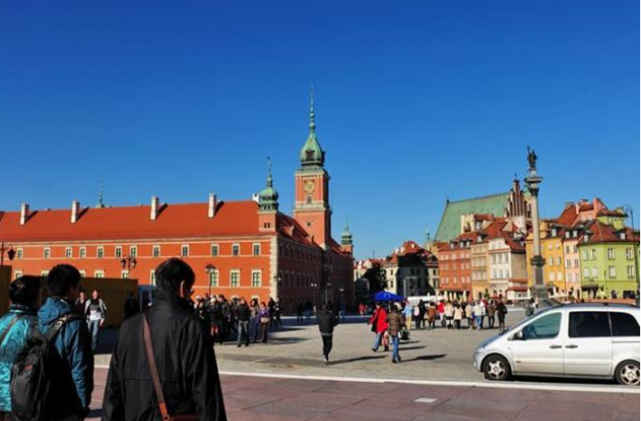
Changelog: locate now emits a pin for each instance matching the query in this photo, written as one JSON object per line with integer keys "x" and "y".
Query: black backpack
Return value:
{"x": 41, "y": 383}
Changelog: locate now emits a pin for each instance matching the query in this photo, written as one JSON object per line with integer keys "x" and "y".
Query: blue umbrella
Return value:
{"x": 387, "y": 296}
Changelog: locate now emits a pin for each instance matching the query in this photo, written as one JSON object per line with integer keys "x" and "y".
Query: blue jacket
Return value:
{"x": 12, "y": 344}
{"x": 73, "y": 342}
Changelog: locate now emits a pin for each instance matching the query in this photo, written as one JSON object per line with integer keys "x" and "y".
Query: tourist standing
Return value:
{"x": 73, "y": 341}
{"x": 186, "y": 365}
{"x": 458, "y": 315}
{"x": 469, "y": 314}
{"x": 263, "y": 317}
{"x": 254, "y": 321}
{"x": 326, "y": 322}
{"x": 96, "y": 312}
{"x": 441, "y": 312}
{"x": 25, "y": 296}
{"x": 408, "y": 311}
{"x": 395, "y": 324}
{"x": 379, "y": 324}
{"x": 478, "y": 315}
{"x": 243, "y": 314}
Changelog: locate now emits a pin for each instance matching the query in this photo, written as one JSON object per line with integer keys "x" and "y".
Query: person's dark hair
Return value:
{"x": 61, "y": 278}
{"x": 24, "y": 290}
{"x": 170, "y": 273}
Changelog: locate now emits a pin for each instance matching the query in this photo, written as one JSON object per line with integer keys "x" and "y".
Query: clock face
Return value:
{"x": 310, "y": 186}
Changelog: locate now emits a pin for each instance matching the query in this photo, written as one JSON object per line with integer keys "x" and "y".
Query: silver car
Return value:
{"x": 569, "y": 340}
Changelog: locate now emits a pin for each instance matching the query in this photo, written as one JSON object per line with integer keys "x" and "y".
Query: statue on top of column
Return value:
{"x": 531, "y": 158}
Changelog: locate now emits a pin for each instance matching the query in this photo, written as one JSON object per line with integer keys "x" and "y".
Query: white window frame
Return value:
{"x": 17, "y": 274}
{"x": 233, "y": 247}
{"x": 233, "y": 272}
{"x": 100, "y": 252}
{"x": 124, "y": 274}
{"x": 68, "y": 252}
{"x": 118, "y": 252}
{"x": 631, "y": 273}
{"x": 182, "y": 250}
{"x": 254, "y": 249}
{"x": 133, "y": 252}
{"x": 46, "y": 253}
{"x": 152, "y": 277}
{"x": 156, "y": 251}
{"x": 44, "y": 273}
{"x": 19, "y": 253}
{"x": 83, "y": 273}
{"x": 215, "y": 247}
{"x": 611, "y": 255}
{"x": 260, "y": 278}
{"x": 214, "y": 278}
{"x": 99, "y": 273}
{"x": 612, "y": 272}
{"x": 82, "y": 253}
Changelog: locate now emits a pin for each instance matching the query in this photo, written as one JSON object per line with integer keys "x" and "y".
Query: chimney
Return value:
{"x": 155, "y": 207}
{"x": 75, "y": 211}
{"x": 211, "y": 208}
{"x": 24, "y": 213}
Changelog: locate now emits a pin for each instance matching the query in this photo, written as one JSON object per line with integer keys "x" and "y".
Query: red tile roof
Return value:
{"x": 603, "y": 233}
{"x": 233, "y": 218}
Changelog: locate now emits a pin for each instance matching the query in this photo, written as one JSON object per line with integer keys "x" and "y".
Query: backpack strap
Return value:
{"x": 9, "y": 326}
{"x": 57, "y": 324}
{"x": 153, "y": 370}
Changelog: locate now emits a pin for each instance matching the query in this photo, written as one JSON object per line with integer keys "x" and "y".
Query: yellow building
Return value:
{"x": 553, "y": 254}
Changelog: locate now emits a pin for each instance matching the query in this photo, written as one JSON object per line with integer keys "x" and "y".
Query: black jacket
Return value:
{"x": 243, "y": 313}
{"x": 326, "y": 321}
{"x": 186, "y": 365}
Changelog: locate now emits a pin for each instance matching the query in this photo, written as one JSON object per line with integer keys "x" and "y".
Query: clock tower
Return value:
{"x": 311, "y": 207}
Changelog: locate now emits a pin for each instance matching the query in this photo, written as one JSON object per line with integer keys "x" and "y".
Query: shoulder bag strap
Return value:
{"x": 57, "y": 324}
{"x": 9, "y": 326}
{"x": 149, "y": 350}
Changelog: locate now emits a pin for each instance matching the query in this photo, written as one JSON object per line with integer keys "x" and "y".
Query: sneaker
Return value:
{"x": 326, "y": 360}
{"x": 394, "y": 361}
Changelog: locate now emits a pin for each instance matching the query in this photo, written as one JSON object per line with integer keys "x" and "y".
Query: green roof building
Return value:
{"x": 450, "y": 226}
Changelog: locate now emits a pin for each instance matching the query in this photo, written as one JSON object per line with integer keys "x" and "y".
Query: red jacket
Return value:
{"x": 379, "y": 319}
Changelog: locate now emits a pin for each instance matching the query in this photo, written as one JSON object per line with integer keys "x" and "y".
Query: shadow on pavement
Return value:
{"x": 427, "y": 357}
{"x": 352, "y": 360}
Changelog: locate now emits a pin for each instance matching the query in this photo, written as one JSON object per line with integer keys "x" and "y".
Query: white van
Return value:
{"x": 569, "y": 340}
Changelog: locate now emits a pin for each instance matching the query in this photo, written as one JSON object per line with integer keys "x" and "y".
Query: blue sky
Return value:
{"x": 416, "y": 101}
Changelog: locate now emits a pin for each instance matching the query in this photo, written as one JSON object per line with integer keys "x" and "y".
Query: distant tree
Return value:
{"x": 376, "y": 278}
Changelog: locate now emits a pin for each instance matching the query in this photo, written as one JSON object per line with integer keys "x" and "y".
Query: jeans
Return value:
{"x": 254, "y": 328}
{"x": 395, "y": 341}
{"x": 243, "y": 332}
{"x": 490, "y": 321}
{"x": 327, "y": 344}
{"x": 94, "y": 329}
{"x": 377, "y": 341}
{"x": 479, "y": 322}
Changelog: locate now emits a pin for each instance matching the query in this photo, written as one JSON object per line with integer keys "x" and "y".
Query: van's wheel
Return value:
{"x": 627, "y": 373}
{"x": 496, "y": 368}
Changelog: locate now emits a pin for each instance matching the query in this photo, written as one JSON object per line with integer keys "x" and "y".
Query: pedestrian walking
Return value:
{"x": 458, "y": 315}
{"x": 96, "y": 312}
{"x": 263, "y": 316}
{"x": 379, "y": 325}
{"x": 327, "y": 320}
{"x": 300, "y": 310}
{"x": 478, "y": 315}
{"x": 449, "y": 314}
{"x": 243, "y": 314}
{"x": 73, "y": 341}
{"x": 408, "y": 311}
{"x": 161, "y": 365}
{"x": 395, "y": 324}
{"x": 491, "y": 314}
{"x": 501, "y": 311}
{"x": 81, "y": 303}
{"x": 25, "y": 296}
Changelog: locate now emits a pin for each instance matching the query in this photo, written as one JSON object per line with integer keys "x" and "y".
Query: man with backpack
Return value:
{"x": 71, "y": 341}
{"x": 25, "y": 295}
{"x": 96, "y": 312}
{"x": 163, "y": 366}
{"x": 326, "y": 323}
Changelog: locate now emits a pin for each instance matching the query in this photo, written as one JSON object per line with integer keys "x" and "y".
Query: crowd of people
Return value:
{"x": 162, "y": 366}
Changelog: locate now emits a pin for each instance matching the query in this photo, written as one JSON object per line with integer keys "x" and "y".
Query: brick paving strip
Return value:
{"x": 266, "y": 398}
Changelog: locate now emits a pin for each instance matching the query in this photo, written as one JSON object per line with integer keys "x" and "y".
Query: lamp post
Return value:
{"x": 630, "y": 210}
{"x": 210, "y": 269}
{"x": 533, "y": 181}
{"x": 11, "y": 253}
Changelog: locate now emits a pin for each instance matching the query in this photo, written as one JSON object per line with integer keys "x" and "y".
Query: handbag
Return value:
{"x": 264, "y": 319}
{"x": 160, "y": 396}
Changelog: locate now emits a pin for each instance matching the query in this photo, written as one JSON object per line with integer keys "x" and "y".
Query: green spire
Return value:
{"x": 268, "y": 198}
{"x": 346, "y": 236}
{"x": 101, "y": 198}
{"x": 312, "y": 155}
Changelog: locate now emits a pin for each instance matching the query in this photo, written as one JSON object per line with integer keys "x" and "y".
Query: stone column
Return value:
{"x": 532, "y": 181}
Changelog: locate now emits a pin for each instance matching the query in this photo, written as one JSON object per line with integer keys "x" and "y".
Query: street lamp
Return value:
{"x": 630, "y": 210}
{"x": 210, "y": 269}
{"x": 128, "y": 262}
{"x": 11, "y": 253}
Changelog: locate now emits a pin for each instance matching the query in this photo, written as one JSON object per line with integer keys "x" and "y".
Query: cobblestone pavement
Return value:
{"x": 270, "y": 399}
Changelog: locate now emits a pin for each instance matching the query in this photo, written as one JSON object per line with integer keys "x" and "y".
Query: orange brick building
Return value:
{"x": 455, "y": 267}
{"x": 237, "y": 248}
